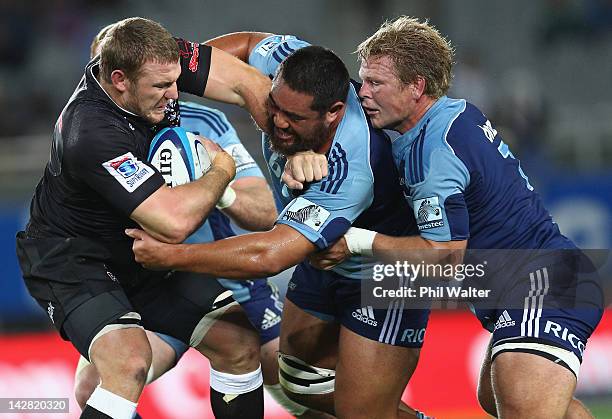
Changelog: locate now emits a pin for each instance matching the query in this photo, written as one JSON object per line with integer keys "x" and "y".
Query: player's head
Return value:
{"x": 307, "y": 99}
{"x": 94, "y": 49}
{"x": 140, "y": 58}
{"x": 404, "y": 60}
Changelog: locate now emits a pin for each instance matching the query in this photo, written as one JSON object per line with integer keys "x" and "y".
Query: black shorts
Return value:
{"x": 74, "y": 281}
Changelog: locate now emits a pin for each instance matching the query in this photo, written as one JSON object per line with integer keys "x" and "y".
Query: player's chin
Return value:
{"x": 375, "y": 119}
{"x": 285, "y": 147}
{"x": 156, "y": 116}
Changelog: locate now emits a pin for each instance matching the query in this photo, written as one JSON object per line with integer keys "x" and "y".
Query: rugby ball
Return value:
{"x": 179, "y": 156}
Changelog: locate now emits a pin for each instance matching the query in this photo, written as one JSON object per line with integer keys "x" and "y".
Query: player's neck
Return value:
{"x": 420, "y": 109}
{"x": 113, "y": 93}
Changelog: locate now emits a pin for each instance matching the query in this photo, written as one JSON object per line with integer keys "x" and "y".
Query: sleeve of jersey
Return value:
{"x": 271, "y": 51}
{"x": 323, "y": 216}
{"x": 195, "y": 66}
{"x": 109, "y": 165}
{"x": 438, "y": 202}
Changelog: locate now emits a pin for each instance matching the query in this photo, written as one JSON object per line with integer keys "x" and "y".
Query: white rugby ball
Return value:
{"x": 179, "y": 156}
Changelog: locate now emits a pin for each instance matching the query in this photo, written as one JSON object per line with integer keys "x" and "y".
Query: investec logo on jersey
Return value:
{"x": 128, "y": 171}
{"x": 306, "y": 212}
{"x": 241, "y": 157}
{"x": 428, "y": 213}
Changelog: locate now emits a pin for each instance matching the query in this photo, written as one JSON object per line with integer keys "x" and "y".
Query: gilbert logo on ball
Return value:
{"x": 179, "y": 156}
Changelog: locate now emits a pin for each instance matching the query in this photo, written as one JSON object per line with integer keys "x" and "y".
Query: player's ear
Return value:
{"x": 417, "y": 88}
{"x": 120, "y": 80}
{"x": 334, "y": 111}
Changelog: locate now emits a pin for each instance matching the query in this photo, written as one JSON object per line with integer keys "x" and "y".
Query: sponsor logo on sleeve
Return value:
{"x": 128, "y": 171}
{"x": 241, "y": 157}
{"x": 488, "y": 130}
{"x": 193, "y": 62}
{"x": 264, "y": 48}
{"x": 428, "y": 213}
{"x": 306, "y": 212}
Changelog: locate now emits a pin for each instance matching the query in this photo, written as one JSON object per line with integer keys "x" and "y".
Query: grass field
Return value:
{"x": 601, "y": 409}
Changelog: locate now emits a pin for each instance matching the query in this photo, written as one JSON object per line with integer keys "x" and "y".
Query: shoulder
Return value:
{"x": 207, "y": 121}
{"x": 88, "y": 126}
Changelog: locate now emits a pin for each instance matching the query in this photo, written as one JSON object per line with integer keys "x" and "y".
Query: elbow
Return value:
{"x": 267, "y": 263}
{"x": 175, "y": 232}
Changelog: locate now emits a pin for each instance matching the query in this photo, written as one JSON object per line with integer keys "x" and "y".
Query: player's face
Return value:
{"x": 154, "y": 88}
{"x": 385, "y": 98}
{"x": 292, "y": 125}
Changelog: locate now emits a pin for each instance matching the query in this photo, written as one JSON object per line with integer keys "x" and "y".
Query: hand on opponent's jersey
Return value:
{"x": 149, "y": 252}
{"x": 330, "y": 257}
{"x": 304, "y": 167}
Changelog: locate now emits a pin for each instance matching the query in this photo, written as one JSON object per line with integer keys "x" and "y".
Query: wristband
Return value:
{"x": 227, "y": 199}
{"x": 359, "y": 241}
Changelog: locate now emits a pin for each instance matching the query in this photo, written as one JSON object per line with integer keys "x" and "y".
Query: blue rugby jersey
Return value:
{"x": 463, "y": 182}
{"x": 213, "y": 124}
{"x": 361, "y": 188}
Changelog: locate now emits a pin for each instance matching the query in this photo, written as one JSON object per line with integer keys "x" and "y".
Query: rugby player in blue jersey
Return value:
{"x": 467, "y": 191}
{"x": 335, "y": 354}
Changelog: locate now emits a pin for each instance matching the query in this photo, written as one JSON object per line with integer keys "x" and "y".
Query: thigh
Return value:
{"x": 230, "y": 341}
{"x": 485, "y": 386}
{"x": 371, "y": 376}
{"x": 166, "y": 353}
{"x": 518, "y": 379}
{"x": 308, "y": 338}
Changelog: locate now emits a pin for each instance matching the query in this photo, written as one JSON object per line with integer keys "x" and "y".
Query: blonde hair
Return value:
{"x": 131, "y": 42}
{"x": 95, "y": 43}
{"x": 417, "y": 49}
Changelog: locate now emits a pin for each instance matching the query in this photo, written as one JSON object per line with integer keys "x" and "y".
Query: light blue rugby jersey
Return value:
{"x": 348, "y": 195}
{"x": 213, "y": 124}
{"x": 462, "y": 182}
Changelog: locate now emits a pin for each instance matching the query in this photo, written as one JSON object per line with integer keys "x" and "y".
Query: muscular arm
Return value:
{"x": 248, "y": 256}
{"x": 412, "y": 249}
{"x": 239, "y": 44}
{"x": 416, "y": 249}
{"x": 171, "y": 214}
{"x": 254, "y": 207}
{"x": 233, "y": 81}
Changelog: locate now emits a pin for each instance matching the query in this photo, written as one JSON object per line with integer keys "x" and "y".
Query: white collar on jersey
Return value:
{"x": 106, "y": 93}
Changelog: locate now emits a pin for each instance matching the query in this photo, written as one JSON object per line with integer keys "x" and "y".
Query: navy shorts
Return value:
{"x": 261, "y": 302}
{"x": 558, "y": 304}
{"x": 332, "y": 297}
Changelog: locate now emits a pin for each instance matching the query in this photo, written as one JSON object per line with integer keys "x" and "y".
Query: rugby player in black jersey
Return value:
{"x": 75, "y": 258}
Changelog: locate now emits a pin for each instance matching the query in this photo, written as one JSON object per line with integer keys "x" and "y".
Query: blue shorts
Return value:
{"x": 332, "y": 297}
{"x": 260, "y": 300}
{"x": 548, "y": 306}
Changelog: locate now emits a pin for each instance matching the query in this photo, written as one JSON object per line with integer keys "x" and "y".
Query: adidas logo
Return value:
{"x": 270, "y": 319}
{"x": 366, "y": 315}
{"x": 504, "y": 321}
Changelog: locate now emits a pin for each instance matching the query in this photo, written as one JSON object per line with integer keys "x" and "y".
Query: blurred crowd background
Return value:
{"x": 541, "y": 70}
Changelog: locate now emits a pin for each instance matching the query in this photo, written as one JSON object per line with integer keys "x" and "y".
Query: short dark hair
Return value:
{"x": 318, "y": 72}
{"x": 129, "y": 43}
